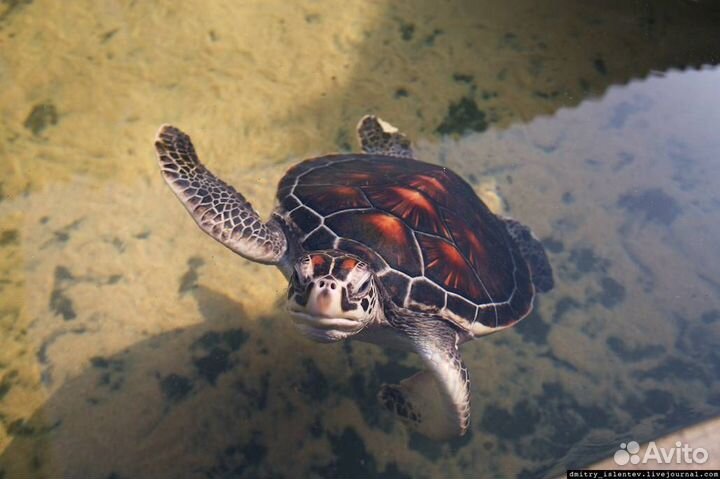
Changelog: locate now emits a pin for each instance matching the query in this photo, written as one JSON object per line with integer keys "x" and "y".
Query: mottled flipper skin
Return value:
{"x": 378, "y": 137}
{"x": 534, "y": 253}
{"x": 436, "y": 401}
{"x": 216, "y": 207}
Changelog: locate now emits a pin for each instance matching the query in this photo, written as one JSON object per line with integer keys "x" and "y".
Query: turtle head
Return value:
{"x": 332, "y": 295}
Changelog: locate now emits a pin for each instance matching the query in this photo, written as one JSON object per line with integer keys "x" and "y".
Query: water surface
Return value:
{"x": 131, "y": 345}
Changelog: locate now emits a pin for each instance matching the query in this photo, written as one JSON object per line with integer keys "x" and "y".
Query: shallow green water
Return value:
{"x": 131, "y": 345}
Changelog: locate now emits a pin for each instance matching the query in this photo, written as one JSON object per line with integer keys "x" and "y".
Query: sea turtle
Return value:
{"x": 380, "y": 247}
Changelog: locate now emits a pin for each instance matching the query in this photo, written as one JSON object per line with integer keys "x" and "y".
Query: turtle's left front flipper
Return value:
{"x": 436, "y": 402}
{"x": 217, "y": 208}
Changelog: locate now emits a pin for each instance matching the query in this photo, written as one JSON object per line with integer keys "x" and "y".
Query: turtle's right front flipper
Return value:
{"x": 217, "y": 208}
{"x": 378, "y": 137}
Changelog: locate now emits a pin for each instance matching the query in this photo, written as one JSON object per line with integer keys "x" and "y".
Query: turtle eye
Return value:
{"x": 364, "y": 288}
{"x": 296, "y": 281}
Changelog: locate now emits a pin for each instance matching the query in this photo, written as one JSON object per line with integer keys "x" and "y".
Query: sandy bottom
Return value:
{"x": 132, "y": 345}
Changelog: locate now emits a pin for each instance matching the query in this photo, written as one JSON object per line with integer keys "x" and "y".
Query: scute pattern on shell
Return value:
{"x": 433, "y": 243}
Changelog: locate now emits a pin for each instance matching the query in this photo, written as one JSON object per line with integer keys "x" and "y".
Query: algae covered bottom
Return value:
{"x": 130, "y": 347}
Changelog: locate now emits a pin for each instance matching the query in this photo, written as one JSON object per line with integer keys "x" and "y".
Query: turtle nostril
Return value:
{"x": 333, "y": 286}
{"x": 322, "y": 284}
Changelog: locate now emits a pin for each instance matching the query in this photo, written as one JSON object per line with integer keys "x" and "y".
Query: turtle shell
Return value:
{"x": 432, "y": 242}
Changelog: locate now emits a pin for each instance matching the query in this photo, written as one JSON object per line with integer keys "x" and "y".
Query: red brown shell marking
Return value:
{"x": 354, "y": 170}
{"x": 445, "y": 265}
{"x": 431, "y": 186}
{"x": 419, "y": 220}
{"x": 351, "y": 175}
{"x": 329, "y": 199}
{"x": 410, "y": 205}
{"x": 479, "y": 239}
{"x": 386, "y": 234}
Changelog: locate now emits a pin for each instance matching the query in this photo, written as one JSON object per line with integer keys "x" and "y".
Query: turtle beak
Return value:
{"x": 322, "y": 301}
{"x": 323, "y": 317}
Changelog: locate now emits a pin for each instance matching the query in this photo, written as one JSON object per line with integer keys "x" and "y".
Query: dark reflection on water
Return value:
{"x": 595, "y": 124}
{"x": 508, "y": 63}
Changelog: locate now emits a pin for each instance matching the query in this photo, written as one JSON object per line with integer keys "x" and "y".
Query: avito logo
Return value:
{"x": 680, "y": 454}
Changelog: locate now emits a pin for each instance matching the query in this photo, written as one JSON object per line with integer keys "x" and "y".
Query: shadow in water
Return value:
{"x": 231, "y": 397}
{"x": 469, "y": 65}
{"x": 243, "y": 397}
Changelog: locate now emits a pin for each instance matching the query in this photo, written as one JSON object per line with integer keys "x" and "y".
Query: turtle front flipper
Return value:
{"x": 217, "y": 208}
{"x": 435, "y": 402}
{"x": 379, "y": 137}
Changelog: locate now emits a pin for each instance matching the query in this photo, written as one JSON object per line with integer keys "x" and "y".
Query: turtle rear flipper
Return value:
{"x": 534, "y": 253}
{"x": 216, "y": 207}
{"x": 381, "y": 138}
